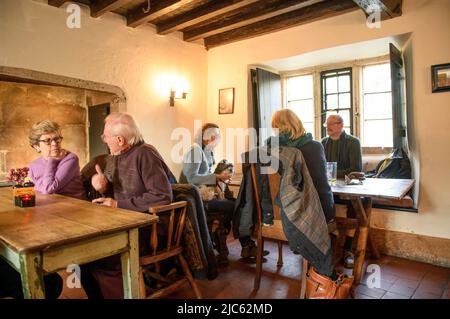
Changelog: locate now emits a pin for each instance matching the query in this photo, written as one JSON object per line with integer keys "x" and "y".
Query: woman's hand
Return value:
{"x": 57, "y": 154}
{"x": 224, "y": 176}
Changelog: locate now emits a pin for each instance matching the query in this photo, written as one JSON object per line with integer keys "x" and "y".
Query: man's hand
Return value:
{"x": 99, "y": 181}
{"x": 106, "y": 202}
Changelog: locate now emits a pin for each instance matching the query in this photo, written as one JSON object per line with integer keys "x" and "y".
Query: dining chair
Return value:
{"x": 165, "y": 244}
{"x": 273, "y": 232}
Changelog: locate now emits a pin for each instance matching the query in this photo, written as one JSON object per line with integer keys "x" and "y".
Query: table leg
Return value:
{"x": 363, "y": 215}
{"x": 130, "y": 266}
{"x": 360, "y": 253}
{"x": 31, "y": 275}
{"x": 373, "y": 247}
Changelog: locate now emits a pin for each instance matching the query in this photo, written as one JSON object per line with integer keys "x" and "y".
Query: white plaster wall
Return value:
{"x": 34, "y": 35}
{"x": 429, "y": 21}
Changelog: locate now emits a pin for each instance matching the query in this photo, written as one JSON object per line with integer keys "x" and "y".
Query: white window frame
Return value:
{"x": 357, "y": 69}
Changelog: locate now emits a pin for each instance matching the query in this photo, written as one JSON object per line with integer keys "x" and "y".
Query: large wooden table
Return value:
{"x": 371, "y": 188}
{"x": 60, "y": 231}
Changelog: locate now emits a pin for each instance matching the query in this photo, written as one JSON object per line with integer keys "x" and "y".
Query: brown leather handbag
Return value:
{"x": 322, "y": 287}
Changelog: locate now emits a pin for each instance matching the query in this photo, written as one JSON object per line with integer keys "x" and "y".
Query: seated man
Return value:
{"x": 344, "y": 149}
{"x": 136, "y": 179}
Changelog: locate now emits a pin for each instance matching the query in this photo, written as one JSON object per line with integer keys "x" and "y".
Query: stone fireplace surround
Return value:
{"x": 27, "y": 96}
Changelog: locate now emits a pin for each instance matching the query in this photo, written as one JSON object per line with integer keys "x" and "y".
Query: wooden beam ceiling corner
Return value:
{"x": 318, "y": 11}
{"x": 200, "y": 14}
{"x": 262, "y": 10}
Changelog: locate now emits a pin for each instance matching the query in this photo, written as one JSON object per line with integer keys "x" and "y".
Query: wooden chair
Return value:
{"x": 176, "y": 214}
{"x": 274, "y": 232}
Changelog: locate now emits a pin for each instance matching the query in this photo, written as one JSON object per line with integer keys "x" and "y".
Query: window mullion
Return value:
{"x": 317, "y": 105}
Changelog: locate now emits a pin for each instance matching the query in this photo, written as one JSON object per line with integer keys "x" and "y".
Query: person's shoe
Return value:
{"x": 349, "y": 259}
{"x": 322, "y": 287}
{"x": 251, "y": 251}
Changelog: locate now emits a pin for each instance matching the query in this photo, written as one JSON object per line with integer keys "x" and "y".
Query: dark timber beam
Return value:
{"x": 158, "y": 9}
{"x": 304, "y": 15}
{"x": 56, "y": 3}
{"x": 259, "y": 11}
{"x": 100, "y": 7}
{"x": 200, "y": 14}
{"x": 389, "y": 8}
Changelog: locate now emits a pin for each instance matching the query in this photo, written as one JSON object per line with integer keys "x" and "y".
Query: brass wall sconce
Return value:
{"x": 173, "y": 96}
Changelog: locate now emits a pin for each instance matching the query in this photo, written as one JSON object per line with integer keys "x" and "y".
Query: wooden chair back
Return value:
{"x": 274, "y": 231}
{"x": 176, "y": 214}
{"x": 173, "y": 218}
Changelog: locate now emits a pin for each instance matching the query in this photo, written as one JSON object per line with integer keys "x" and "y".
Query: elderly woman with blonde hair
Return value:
{"x": 56, "y": 171}
{"x": 293, "y": 134}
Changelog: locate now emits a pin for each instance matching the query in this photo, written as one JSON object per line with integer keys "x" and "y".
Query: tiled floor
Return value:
{"x": 400, "y": 279}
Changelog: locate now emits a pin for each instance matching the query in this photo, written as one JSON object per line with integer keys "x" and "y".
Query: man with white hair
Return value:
{"x": 139, "y": 179}
{"x": 344, "y": 149}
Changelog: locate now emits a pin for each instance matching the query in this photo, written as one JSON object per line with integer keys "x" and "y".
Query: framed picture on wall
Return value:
{"x": 226, "y": 101}
{"x": 440, "y": 77}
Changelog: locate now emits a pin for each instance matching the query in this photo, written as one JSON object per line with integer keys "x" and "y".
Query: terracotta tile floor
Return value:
{"x": 400, "y": 279}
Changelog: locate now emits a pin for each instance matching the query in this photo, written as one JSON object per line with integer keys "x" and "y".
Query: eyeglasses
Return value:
{"x": 104, "y": 137}
{"x": 329, "y": 124}
{"x": 48, "y": 141}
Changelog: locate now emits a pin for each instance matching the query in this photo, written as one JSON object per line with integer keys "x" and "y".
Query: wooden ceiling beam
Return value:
{"x": 100, "y": 7}
{"x": 304, "y": 15}
{"x": 158, "y": 9}
{"x": 200, "y": 14}
{"x": 389, "y": 8}
{"x": 260, "y": 11}
{"x": 56, "y": 3}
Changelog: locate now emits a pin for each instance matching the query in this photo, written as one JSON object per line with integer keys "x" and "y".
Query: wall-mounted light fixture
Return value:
{"x": 176, "y": 95}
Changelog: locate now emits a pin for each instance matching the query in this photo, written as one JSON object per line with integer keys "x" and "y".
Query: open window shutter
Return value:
{"x": 398, "y": 99}
{"x": 266, "y": 87}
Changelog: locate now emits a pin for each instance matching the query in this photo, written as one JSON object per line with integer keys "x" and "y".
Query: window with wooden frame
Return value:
{"x": 337, "y": 97}
{"x": 359, "y": 91}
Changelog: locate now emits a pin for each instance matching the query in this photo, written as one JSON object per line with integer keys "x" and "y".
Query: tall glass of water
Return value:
{"x": 332, "y": 173}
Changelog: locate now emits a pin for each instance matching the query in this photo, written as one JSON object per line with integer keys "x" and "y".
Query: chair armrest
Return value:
{"x": 165, "y": 208}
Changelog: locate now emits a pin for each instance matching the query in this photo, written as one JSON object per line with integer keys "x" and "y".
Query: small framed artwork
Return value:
{"x": 440, "y": 77}
{"x": 226, "y": 101}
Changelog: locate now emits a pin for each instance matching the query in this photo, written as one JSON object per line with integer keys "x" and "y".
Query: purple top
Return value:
{"x": 54, "y": 176}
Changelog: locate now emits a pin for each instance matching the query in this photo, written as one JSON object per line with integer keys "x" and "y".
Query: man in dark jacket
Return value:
{"x": 344, "y": 149}
{"x": 341, "y": 147}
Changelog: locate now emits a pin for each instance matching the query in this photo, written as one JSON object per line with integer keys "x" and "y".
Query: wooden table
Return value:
{"x": 371, "y": 188}
{"x": 60, "y": 231}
